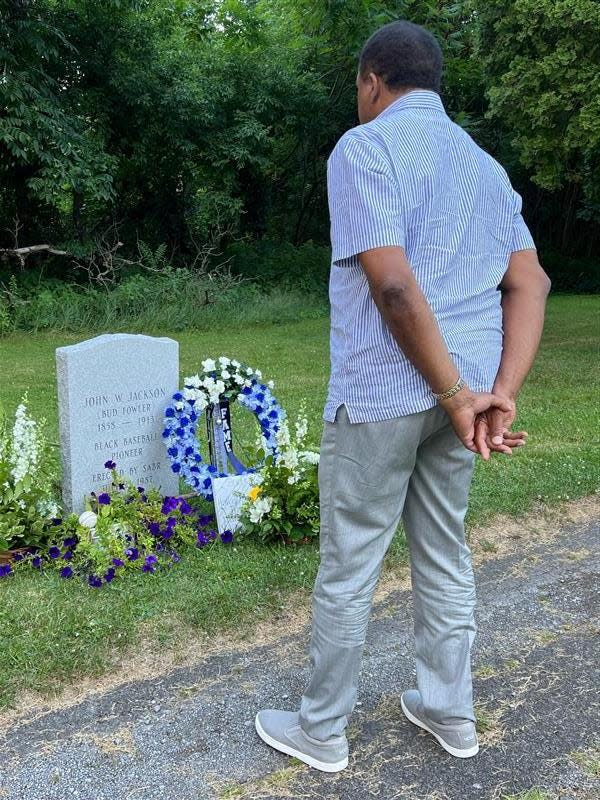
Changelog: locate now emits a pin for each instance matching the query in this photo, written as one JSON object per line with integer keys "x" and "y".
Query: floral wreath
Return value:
{"x": 221, "y": 379}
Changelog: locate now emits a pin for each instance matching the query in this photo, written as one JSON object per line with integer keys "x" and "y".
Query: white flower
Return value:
{"x": 309, "y": 457}
{"x": 261, "y": 507}
{"x": 225, "y": 375}
{"x": 179, "y": 405}
{"x": 25, "y": 445}
{"x": 88, "y": 519}
{"x": 191, "y": 394}
{"x": 193, "y": 381}
{"x": 247, "y": 383}
{"x": 258, "y": 374}
{"x": 201, "y": 402}
{"x": 235, "y": 363}
{"x": 47, "y": 508}
{"x": 209, "y": 365}
{"x": 223, "y": 361}
{"x": 249, "y": 371}
{"x": 239, "y": 379}
{"x": 209, "y": 384}
{"x": 271, "y": 384}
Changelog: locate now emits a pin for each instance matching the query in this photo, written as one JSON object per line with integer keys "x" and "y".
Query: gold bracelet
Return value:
{"x": 460, "y": 384}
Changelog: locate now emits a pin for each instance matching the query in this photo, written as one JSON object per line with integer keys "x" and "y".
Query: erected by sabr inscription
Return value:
{"x": 112, "y": 393}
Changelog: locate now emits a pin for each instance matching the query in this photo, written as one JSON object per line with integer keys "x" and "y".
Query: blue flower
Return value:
{"x": 36, "y": 562}
{"x": 176, "y": 468}
{"x": 5, "y": 569}
{"x": 260, "y": 396}
{"x": 166, "y": 433}
{"x": 201, "y": 540}
{"x": 94, "y": 581}
{"x": 67, "y": 555}
{"x": 70, "y": 541}
{"x": 66, "y": 572}
{"x": 189, "y": 451}
{"x": 56, "y": 521}
{"x": 154, "y": 528}
{"x": 104, "y": 499}
{"x": 54, "y": 552}
{"x": 177, "y": 396}
{"x": 117, "y": 562}
{"x": 227, "y": 537}
{"x": 132, "y": 553}
{"x": 110, "y": 465}
{"x": 185, "y": 507}
{"x": 169, "y": 411}
{"x": 173, "y": 451}
{"x": 109, "y": 574}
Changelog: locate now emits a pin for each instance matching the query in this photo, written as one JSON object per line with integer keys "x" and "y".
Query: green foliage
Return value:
{"x": 542, "y": 68}
{"x": 189, "y": 125}
{"x": 178, "y": 299}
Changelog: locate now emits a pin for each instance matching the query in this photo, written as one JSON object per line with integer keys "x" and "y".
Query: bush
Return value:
{"x": 176, "y": 299}
{"x": 269, "y": 263}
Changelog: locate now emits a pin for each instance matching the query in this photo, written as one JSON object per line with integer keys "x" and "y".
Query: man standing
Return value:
{"x": 437, "y": 306}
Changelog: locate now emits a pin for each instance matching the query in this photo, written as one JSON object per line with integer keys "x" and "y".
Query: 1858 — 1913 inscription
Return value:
{"x": 112, "y": 392}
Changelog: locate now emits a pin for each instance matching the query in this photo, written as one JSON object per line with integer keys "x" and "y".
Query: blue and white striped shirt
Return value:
{"x": 412, "y": 178}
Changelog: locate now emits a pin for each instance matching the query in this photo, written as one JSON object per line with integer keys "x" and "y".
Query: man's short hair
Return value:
{"x": 403, "y": 54}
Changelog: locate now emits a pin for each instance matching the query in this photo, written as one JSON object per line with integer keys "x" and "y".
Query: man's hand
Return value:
{"x": 492, "y": 429}
{"x": 466, "y": 408}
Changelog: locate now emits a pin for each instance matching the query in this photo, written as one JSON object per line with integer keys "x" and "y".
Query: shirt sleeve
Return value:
{"x": 521, "y": 237}
{"x": 365, "y": 202}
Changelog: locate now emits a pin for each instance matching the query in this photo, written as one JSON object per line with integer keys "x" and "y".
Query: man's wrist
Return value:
{"x": 451, "y": 391}
{"x": 505, "y": 391}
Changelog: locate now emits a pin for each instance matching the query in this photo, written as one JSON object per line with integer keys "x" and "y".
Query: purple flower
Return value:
{"x": 141, "y": 489}
{"x": 18, "y": 557}
{"x": 185, "y": 507}
{"x": 67, "y": 555}
{"x": 154, "y": 528}
{"x": 117, "y": 562}
{"x": 227, "y": 537}
{"x": 132, "y": 553}
{"x": 212, "y": 535}
{"x": 70, "y": 541}
{"x": 56, "y": 521}
{"x": 54, "y": 552}
{"x": 104, "y": 499}
{"x": 5, "y": 570}
{"x": 169, "y": 504}
{"x": 147, "y": 568}
{"x": 201, "y": 539}
{"x": 175, "y": 556}
{"x": 151, "y": 559}
{"x": 206, "y": 519}
{"x": 94, "y": 581}
{"x": 171, "y": 522}
{"x": 110, "y": 465}
{"x": 66, "y": 572}
{"x": 36, "y": 562}
{"x": 109, "y": 574}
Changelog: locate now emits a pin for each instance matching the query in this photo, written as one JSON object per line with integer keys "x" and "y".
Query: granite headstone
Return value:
{"x": 112, "y": 393}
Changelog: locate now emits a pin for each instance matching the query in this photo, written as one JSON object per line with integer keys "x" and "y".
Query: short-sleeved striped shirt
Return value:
{"x": 412, "y": 178}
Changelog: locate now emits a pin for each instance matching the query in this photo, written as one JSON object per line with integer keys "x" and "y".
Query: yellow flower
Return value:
{"x": 254, "y": 492}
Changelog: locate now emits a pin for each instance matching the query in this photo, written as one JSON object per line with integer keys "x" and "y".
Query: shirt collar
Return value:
{"x": 417, "y": 98}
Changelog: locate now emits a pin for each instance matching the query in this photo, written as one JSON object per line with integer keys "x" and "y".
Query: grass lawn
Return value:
{"x": 54, "y": 630}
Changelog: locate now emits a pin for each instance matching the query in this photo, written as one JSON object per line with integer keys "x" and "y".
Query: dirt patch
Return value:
{"x": 502, "y": 536}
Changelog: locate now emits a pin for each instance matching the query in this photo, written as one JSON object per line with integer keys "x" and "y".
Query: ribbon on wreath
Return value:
{"x": 220, "y": 439}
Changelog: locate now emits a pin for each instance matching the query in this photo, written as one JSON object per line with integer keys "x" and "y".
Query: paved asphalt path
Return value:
{"x": 188, "y": 735}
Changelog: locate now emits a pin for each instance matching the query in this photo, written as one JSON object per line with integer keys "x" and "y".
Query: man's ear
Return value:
{"x": 374, "y": 87}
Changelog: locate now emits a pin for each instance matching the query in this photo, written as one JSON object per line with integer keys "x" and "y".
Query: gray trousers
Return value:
{"x": 371, "y": 475}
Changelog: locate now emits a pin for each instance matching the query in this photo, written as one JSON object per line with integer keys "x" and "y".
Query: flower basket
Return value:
{"x": 7, "y": 556}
